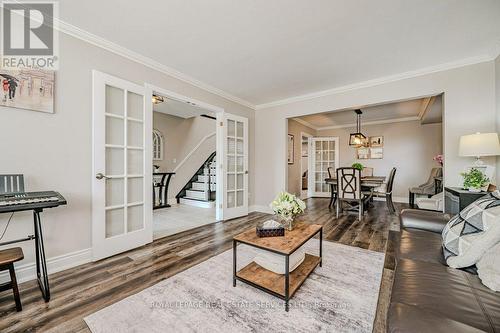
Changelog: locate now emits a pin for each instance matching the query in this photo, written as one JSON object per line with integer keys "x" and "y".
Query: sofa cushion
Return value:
{"x": 446, "y": 293}
{"x": 471, "y": 233}
{"x": 420, "y": 245}
{"x": 409, "y": 318}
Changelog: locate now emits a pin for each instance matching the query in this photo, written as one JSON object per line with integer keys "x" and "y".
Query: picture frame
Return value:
{"x": 376, "y": 141}
{"x": 291, "y": 149}
{"x": 29, "y": 89}
{"x": 363, "y": 153}
{"x": 377, "y": 153}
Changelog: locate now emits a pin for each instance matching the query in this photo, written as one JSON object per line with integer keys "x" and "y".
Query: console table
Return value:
{"x": 162, "y": 187}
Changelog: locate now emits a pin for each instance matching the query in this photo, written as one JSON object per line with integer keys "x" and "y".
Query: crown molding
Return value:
{"x": 305, "y": 123}
{"x": 368, "y": 123}
{"x": 379, "y": 81}
{"x": 103, "y": 43}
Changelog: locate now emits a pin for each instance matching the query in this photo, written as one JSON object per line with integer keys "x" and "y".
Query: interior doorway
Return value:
{"x": 185, "y": 152}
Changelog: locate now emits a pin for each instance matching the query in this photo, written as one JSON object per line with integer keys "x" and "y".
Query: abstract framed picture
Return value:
{"x": 291, "y": 151}
{"x": 376, "y": 153}
{"x": 30, "y": 89}
{"x": 376, "y": 141}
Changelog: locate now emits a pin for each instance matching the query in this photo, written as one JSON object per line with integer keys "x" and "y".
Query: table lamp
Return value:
{"x": 479, "y": 145}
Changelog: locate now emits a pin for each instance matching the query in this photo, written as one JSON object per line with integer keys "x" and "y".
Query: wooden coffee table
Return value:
{"x": 279, "y": 285}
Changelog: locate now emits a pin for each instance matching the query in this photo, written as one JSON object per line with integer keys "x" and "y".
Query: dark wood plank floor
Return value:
{"x": 82, "y": 290}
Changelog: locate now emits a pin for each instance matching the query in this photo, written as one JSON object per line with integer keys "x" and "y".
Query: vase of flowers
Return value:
{"x": 439, "y": 159}
{"x": 287, "y": 206}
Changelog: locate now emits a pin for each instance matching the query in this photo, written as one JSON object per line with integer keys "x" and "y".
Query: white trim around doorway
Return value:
{"x": 219, "y": 113}
{"x": 304, "y": 134}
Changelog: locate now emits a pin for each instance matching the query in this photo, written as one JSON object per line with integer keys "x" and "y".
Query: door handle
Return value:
{"x": 246, "y": 172}
{"x": 100, "y": 176}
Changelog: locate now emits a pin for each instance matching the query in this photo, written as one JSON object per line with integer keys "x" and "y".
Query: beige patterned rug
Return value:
{"x": 341, "y": 296}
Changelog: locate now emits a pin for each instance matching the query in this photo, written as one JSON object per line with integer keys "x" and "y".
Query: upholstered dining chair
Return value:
{"x": 349, "y": 189}
{"x": 333, "y": 188}
{"x": 385, "y": 190}
{"x": 427, "y": 188}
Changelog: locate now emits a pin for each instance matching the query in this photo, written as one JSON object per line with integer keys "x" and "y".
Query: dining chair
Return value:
{"x": 367, "y": 172}
{"x": 427, "y": 188}
{"x": 385, "y": 190}
{"x": 349, "y": 189}
{"x": 333, "y": 188}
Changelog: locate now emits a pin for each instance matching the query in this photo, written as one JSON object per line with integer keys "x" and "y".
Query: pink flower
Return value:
{"x": 439, "y": 159}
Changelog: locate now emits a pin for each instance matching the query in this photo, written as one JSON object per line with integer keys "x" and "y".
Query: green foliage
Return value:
{"x": 474, "y": 179}
{"x": 358, "y": 166}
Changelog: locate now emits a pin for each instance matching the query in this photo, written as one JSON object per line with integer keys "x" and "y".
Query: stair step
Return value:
{"x": 194, "y": 194}
{"x": 203, "y": 178}
{"x": 197, "y": 203}
{"x": 199, "y": 186}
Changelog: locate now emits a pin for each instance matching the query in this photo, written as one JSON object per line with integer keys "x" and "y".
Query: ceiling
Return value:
{"x": 262, "y": 51}
{"x": 179, "y": 109}
{"x": 427, "y": 110}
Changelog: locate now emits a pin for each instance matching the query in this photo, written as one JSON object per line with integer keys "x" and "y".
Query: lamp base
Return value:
{"x": 479, "y": 162}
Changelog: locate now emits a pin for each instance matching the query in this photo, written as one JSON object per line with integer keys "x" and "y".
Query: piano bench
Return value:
{"x": 7, "y": 259}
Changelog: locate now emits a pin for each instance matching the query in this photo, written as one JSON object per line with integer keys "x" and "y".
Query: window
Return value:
{"x": 157, "y": 145}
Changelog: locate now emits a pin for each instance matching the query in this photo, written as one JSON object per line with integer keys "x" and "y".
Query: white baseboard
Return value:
{"x": 394, "y": 199}
{"x": 27, "y": 272}
{"x": 260, "y": 209}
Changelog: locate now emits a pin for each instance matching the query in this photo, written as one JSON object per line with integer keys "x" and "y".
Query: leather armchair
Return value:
{"x": 423, "y": 220}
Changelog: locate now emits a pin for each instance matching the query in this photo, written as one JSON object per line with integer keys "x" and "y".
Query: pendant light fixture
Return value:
{"x": 356, "y": 139}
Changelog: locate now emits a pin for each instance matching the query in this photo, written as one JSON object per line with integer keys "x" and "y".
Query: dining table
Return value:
{"x": 369, "y": 183}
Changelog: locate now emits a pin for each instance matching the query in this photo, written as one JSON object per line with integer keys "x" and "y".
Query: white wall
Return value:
{"x": 469, "y": 106}
{"x": 497, "y": 88}
{"x": 408, "y": 146}
{"x": 54, "y": 151}
{"x": 294, "y": 170}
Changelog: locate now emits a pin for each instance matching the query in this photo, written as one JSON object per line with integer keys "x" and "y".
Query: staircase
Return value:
{"x": 200, "y": 190}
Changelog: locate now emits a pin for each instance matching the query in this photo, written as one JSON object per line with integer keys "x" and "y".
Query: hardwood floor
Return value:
{"x": 82, "y": 290}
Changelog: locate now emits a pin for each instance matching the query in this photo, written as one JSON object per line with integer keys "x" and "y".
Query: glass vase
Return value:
{"x": 287, "y": 222}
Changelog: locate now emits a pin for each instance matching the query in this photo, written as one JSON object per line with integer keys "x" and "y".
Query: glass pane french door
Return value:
{"x": 323, "y": 152}
{"x": 120, "y": 201}
{"x": 236, "y": 166}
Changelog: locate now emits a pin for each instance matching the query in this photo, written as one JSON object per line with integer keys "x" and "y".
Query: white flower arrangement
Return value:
{"x": 287, "y": 205}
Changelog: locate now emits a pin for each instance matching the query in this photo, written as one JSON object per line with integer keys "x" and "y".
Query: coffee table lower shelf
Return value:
{"x": 273, "y": 283}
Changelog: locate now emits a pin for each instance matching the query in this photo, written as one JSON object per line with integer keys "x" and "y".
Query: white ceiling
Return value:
{"x": 263, "y": 51}
{"x": 179, "y": 109}
{"x": 417, "y": 109}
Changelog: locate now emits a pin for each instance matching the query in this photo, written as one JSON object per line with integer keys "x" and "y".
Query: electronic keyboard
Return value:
{"x": 13, "y": 202}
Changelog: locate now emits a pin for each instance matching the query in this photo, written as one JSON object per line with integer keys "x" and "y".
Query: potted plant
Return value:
{"x": 287, "y": 206}
{"x": 474, "y": 180}
{"x": 358, "y": 166}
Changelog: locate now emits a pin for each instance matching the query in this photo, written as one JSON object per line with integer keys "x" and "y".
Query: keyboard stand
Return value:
{"x": 41, "y": 263}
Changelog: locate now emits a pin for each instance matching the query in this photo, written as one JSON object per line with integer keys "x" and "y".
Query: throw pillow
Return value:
{"x": 488, "y": 268}
{"x": 468, "y": 235}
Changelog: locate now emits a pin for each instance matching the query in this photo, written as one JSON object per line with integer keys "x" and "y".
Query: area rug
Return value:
{"x": 341, "y": 296}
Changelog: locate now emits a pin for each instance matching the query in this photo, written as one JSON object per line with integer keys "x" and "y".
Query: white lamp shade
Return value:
{"x": 479, "y": 144}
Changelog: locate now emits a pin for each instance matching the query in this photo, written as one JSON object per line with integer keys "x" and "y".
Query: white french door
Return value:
{"x": 323, "y": 154}
{"x": 122, "y": 167}
{"x": 235, "y": 166}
